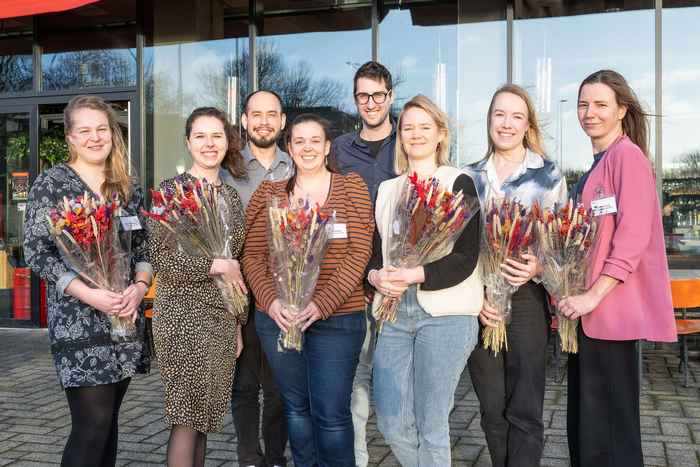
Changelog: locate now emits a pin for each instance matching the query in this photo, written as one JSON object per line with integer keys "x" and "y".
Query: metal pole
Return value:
{"x": 510, "y": 15}
{"x": 658, "y": 102}
{"x": 375, "y": 30}
{"x": 561, "y": 135}
{"x": 252, "y": 49}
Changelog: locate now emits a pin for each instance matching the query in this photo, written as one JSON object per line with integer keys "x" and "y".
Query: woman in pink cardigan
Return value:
{"x": 628, "y": 295}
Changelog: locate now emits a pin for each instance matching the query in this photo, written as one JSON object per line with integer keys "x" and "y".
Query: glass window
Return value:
{"x": 681, "y": 146}
{"x": 186, "y": 66}
{"x": 14, "y": 189}
{"x": 310, "y": 57}
{"x": 554, "y": 51}
{"x": 16, "y": 70}
{"x": 457, "y": 58}
{"x": 90, "y": 46}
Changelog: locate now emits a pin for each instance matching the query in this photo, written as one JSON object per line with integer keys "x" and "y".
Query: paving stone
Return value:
{"x": 676, "y": 429}
{"x": 47, "y": 457}
{"x": 35, "y": 422}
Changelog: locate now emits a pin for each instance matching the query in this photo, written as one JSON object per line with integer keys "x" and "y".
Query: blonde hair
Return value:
{"x": 533, "y": 136}
{"x": 442, "y": 122}
{"x": 117, "y": 179}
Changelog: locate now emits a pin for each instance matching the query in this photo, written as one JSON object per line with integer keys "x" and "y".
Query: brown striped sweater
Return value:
{"x": 339, "y": 289}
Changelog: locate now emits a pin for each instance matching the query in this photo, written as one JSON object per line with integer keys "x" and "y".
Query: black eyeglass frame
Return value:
{"x": 362, "y": 98}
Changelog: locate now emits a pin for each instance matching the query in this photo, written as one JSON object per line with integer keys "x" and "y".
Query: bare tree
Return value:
{"x": 15, "y": 72}
{"x": 294, "y": 82}
{"x": 689, "y": 164}
{"x": 90, "y": 67}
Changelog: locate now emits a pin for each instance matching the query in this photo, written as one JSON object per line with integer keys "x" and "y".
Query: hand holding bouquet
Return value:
{"x": 199, "y": 220}
{"x": 565, "y": 238}
{"x": 508, "y": 234}
{"x": 427, "y": 221}
{"x": 297, "y": 240}
{"x": 86, "y": 233}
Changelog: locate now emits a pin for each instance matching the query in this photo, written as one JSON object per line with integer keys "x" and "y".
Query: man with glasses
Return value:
{"x": 370, "y": 153}
{"x": 263, "y": 120}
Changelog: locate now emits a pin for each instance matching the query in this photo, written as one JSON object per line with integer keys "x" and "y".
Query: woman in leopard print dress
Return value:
{"x": 197, "y": 341}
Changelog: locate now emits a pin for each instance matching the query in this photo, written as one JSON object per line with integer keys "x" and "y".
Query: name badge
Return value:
{"x": 604, "y": 206}
{"x": 130, "y": 223}
{"x": 339, "y": 231}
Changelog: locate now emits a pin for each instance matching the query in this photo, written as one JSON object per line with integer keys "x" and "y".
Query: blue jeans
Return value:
{"x": 315, "y": 385}
{"x": 417, "y": 365}
{"x": 360, "y": 392}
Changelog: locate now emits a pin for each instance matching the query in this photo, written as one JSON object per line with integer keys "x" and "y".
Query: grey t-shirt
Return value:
{"x": 281, "y": 169}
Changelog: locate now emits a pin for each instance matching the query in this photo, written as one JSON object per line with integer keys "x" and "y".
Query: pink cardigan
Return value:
{"x": 630, "y": 248}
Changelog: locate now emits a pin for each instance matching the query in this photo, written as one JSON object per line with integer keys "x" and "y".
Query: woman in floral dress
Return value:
{"x": 93, "y": 370}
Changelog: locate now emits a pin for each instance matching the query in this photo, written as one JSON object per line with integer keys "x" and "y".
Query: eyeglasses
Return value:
{"x": 378, "y": 97}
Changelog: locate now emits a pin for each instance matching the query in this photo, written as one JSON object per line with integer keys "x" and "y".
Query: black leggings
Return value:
{"x": 94, "y": 412}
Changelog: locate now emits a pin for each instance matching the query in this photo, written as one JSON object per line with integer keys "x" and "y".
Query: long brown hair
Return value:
{"x": 634, "y": 124}
{"x": 533, "y": 136}
{"x": 118, "y": 181}
{"x": 233, "y": 160}
{"x": 441, "y": 121}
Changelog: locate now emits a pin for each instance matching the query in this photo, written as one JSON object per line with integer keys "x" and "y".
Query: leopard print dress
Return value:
{"x": 194, "y": 336}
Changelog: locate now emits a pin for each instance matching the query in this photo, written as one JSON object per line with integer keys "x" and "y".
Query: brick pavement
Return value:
{"x": 34, "y": 418}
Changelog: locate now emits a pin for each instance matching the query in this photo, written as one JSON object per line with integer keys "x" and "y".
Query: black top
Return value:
{"x": 374, "y": 146}
{"x": 352, "y": 154}
{"x": 578, "y": 188}
{"x": 455, "y": 267}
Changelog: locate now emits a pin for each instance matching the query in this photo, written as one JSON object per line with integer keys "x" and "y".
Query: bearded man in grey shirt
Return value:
{"x": 263, "y": 120}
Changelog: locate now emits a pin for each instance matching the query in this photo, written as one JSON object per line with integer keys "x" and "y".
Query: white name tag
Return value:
{"x": 130, "y": 223}
{"x": 339, "y": 231}
{"x": 604, "y": 206}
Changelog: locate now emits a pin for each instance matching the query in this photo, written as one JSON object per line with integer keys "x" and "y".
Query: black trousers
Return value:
{"x": 510, "y": 386}
{"x": 253, "y": 373}
{"x": 603, "y": 424}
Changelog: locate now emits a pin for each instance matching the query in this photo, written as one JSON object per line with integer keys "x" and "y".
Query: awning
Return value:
{"x": 15, "y": 8}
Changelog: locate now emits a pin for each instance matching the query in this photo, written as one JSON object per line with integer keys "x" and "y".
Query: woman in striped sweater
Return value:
{"x": 316, "y": 383}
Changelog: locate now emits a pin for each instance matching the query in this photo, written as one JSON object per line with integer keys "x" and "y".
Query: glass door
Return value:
{"x": 32, "y": 140}
{"x": 15, "y": 277}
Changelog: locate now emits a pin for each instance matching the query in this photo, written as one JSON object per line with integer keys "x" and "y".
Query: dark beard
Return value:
{"x": 262, "y": 142}
{"x": 380, "y": 123}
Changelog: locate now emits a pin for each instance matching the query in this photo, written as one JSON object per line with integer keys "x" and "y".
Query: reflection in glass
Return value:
{"x": 551, "y": 59}
{"x": 14, "y": 184}
{"x": 313, "y": 71}
{"x": 681, "y": 118}
{"x": 15, "y": 55}
{"x": 90, "y": 46}
{"x": 457, "y": 58}
{"x": 89, "y": 68}
{"x": 181, "y": 77}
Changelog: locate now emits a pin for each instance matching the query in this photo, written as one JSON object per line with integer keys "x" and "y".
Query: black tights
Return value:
{"x": 186, "y": 447}
{"x": 94, "y": 412}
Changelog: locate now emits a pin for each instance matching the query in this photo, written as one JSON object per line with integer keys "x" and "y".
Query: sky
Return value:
{"x": 460, "y": 66}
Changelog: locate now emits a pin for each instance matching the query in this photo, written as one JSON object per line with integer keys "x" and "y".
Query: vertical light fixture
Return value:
{"x": 561, "y": 135}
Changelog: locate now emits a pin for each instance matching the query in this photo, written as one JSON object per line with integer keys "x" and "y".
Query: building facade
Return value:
{"x": 156, "y": 60}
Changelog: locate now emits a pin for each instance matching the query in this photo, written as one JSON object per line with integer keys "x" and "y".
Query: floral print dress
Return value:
{"x": 82, "y": 348}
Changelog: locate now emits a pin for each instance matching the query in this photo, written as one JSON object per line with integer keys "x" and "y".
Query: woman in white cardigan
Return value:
{"x": 420, "y": 357}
